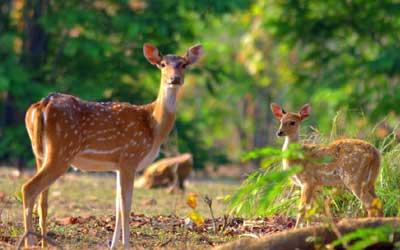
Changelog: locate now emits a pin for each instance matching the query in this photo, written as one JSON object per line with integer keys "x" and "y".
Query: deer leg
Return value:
{"x": 42, "y": 206}
{"x": 126, "y": 190}
{"x": 374, "y": 209}
{"x": 367, "y": 197}
{"x": 117, "y": 230}
{"x": 305, "y": 199}
{"x": 50, "y": 171}
{"x": 181, "y": 181}
{"x": 42, "y": 211}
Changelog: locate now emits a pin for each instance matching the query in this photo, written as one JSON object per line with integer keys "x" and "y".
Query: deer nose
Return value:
{"x": 279, "y": 133}
{"x": 175, "y": 80}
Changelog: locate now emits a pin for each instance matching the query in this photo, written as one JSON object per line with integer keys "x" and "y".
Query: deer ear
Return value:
{"x": 194, "y": 53}
{"x": 152, "y": 54}
{"x": 277, "y": 111}
{"x": 305, "y": 111}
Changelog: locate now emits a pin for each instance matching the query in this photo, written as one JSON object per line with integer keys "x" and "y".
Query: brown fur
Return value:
{"x": 167, "y": 172}
{"x": 350, "y": 163}
{"x": 65, "y": 130}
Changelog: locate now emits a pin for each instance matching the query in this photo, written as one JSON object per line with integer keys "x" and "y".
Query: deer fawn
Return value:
{"x": 65, "y": 130}
{"x": 353, "y": 163}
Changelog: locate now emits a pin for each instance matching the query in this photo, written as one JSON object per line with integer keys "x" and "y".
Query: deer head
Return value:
{"x": 290, "y": 121}
{"x": 172, "y": 66}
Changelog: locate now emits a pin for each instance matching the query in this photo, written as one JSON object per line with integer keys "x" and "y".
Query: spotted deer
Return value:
{"x": 351, "y": 163}
{"x": 101, "y": 136}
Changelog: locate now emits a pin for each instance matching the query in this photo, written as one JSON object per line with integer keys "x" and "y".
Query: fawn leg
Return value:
{"x": 307, "y": 191}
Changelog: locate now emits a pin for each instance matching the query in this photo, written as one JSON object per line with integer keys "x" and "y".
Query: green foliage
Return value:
{"x": 364, "y": 237}
{"x": 93, "y": 49}
{"x": 258, "y": 191}
{"x": 256, "y": 194}
{"x": 282, "y": 196}
{"x": 336, "y": 55}
{"x": 347, "y": 47}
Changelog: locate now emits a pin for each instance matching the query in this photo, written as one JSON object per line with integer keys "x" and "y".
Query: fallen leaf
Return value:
{"x": 191, "y": 200}
{"x": 18, "y": 195}
{"x": 196, "y": 218}
{"x": 67, "y": 221}
{"x": 2, "y": 196}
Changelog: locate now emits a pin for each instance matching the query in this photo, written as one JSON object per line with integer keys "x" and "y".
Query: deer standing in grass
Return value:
{"x": 113, "y": 136}
{"x": 352, "y": 163}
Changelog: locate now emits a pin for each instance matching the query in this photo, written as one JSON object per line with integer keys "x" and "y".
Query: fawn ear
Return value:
{"x": 152, "y": 54}
{"x": 194, "y": 53}
{"x": 305, "y": 111}
{"x": 277, "y": 111}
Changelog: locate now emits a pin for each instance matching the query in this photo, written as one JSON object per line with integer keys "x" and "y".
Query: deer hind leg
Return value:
{"x": 369, "y": 198}
{"x": 366, "y": 194}
{"x": 375, "y": 208}
{"x": 49, "y": 172}
{"x": 305, "y": 199}
{"x": 42, "y": 206}
{"x": 374, "y": 204}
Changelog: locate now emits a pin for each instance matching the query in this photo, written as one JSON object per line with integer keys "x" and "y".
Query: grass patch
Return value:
{"x": 81, "y": 214}
{"x": 282, "y": 197}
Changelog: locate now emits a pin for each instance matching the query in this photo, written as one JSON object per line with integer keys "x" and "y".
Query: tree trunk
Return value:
{"x": 35, "y": 39}
{"x": 299, "y": 238}
{"x": 34, "y": 48}
{"x": 262, "y": 121}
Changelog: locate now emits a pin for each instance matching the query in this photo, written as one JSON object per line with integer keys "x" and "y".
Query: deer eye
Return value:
{"x": 292, "y": 123}
{"x": 162, "y": 65}
{"x": 183, "y": 65}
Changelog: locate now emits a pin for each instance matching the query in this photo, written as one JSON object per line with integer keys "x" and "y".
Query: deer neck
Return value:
{"x": 164, "y": 111}
{"x": 289, "y": 140}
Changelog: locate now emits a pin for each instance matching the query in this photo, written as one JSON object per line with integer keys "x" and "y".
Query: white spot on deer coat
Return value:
{"x": 100, "y": 152}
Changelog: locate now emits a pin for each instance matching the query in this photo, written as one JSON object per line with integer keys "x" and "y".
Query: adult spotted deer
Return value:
{"x": 113, "y": 136}
{"x": 352, "y": 163}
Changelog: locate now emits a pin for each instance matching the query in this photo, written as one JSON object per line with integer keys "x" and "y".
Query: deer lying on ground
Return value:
{"x": 65, "y": 130}
{"x": 172, "y": 172}
{"x": 352, "y": 163}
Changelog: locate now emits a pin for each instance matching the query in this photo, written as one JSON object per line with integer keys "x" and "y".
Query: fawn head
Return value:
{"x": 172, "y": 66}
{"x": 290, "y": 121}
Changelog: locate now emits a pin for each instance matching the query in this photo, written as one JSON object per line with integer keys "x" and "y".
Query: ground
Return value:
{"x": 81, "y": 214}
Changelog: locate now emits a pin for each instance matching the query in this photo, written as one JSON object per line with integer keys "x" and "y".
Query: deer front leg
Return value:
{"x": 117, "y": 230}
{"x": 305, "y": 199}
{"x": 126, "y": 189}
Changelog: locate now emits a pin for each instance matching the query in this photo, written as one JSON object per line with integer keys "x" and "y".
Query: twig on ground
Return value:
{"x": 226, "y": 221}
{"x": 331, "y": 223}
{"x": 42, "y": 237}
{"x": 5, "y": 244}
{"x": 163, "y": 244}
{"x": 208, "y": 201}
{"x": 207, "y": 240}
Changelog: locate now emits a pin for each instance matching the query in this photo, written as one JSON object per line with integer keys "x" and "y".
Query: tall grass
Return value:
{"x": 269, "y": 190}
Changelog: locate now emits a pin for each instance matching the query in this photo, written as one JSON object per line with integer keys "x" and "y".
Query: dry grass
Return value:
{"x": 84, "y": 195}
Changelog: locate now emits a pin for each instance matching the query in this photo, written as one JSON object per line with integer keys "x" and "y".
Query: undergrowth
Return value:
{"x": 269, "y": 191}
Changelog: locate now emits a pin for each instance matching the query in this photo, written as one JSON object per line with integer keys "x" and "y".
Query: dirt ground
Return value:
{"x": 81, "y": 214}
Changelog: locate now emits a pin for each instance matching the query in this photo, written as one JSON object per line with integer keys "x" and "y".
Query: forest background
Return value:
{"x": 342, "y": 57}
